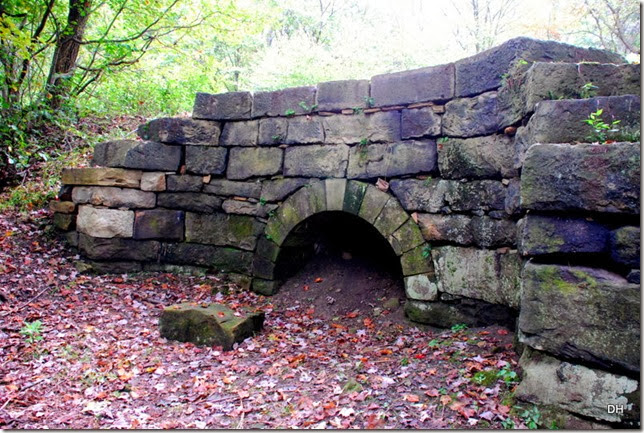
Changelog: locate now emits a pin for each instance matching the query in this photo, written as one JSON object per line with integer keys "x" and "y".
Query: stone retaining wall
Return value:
{"x": 495, "y": 199}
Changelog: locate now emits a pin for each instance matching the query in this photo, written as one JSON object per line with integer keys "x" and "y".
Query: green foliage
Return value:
{"x": 459, "y": 327}
{"x": 427, "y": 251}
{"x": 363, "y": 142}
{"x": 531, "y": 417}
{"x": 485, "y": 378}
{"x": 601, "y": 128}
{"x": 509, "y": 376}
{"x": 404, "y": 362}
{"x": 369, "y": 101}
{"x": 31, "y": 331}
{"x": 588, "y": 90}
{"x": 290, "y": 112}
{"x": 262, "y": 201}
{"x": 443, "y": 140}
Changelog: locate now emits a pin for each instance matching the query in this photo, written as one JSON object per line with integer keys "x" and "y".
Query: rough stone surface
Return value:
{"x": 305, "y": 130}
{"x": 176, "y": 130}
{"x": 264, "y": 287}
{"x": 208, "y": 324}
{"x": 206, "y": 160}
{"x": 223, "y": 230}
{"x": 145, "y": 155}
{"x": 391, "y": 218}
{"x": 448, "y": 228}
{"x": 581, "y": 313}
{"x": 417, "y": 261}
{"x": 469, "y": 117}
{"x": 240, "y": 133}
{"x": 578, "y": 389}
{"x": 244, "y": 163}
{"x": 118, "y": 248}
{"x": 222, "y": 258}
{"x": 64, "y": 222}
{"x": 487, "y": 275}
{"x": 540, "y": 234}
{"x": 235, "y": 188}
{"x": 243, "y": 207}
{"x": 335, "y": 190}
{"x": 358, "y": 128}
{"x": 475, "y": 195}
{"x": 301, "y": 205}
{"x": 295, "y": 100}
{"x": 421, "y": 287}
{"x": 373, "y": 202}
{"x": 272, "y": 131}
{"x": 477, "y": 158}
{"x": 407, "y": 237}
{"x": 494, "y": 232}
{"x": 158, "y": 224}
{"x": 625, "y": 246}
{"x": 114, "y": 197}
{"x": 184, "y": 182}
{"x": 471, "y": 312}
{"x": 151, "y": 181}
{"x": 420, "y": 122}
{"x": 62, "y": 206}
{"x": 598, "y": 178}
{"x": 420, "y": 195}
{"x": 102, "y": 177}
{"x": 191, "y": 201}
{"x": 224, "y": 106}
{"x": 426, "y": 84}
{"x": 279, "y": 189}
{"x": 316, "y": 161}
{"x": 105, "y": 223}
{"x": 336, "y": 95}
{"x": 393, "y": 159}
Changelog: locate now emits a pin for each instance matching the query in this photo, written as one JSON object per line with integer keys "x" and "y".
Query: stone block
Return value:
{"x": 391, "y": 217}
{"x": 294, "y": 100}
{"x": 407, "y": 237}
{"x": 494, "y": 232}
{"x": 240, "y": 207}
{"x": 152, "y": 181}
{"x": 383, "y": 126}
{"x": 577, "y": 388}
{"x": 421, "y": 287}
{"x": 240, "y": 133}
{"x": 272, "y": 131}
{"x": 191, "y": 201}
{"x": 177, "y": 130}
{"x": 63, "y": 221}
{"x": 206, "y": 160}
{"x": 470, "y": 312}
{"x": 417, "y": 261}
{"x": 446, "y": 228}
{"x": 336, "y": 95}
{"x": 306, "y": 202}
{"x": 596, "y": 178}
{"x": 420, "y": 122}
{"x": 144, "y": 155}
{"x": 265, "y": 287}
{"x": 267, "y": 249}
{"x": 373, "y": 202}
{"x": 230, "y": 187}
{"x": 62, "y": 206}
{"x": 353, "y": 196}
{"x": 105, "y": 223}
{"x": 159, "y": 224}
{"x": 625, "y": 246}
{"x": 420, "y": 195}
{"x": 224, "y": 106}
{"x": 316, "y": 161}
{"x": 111, "y": 267}
{"x": 513, "y": 197}
{"x": 184, "y": 182}
{"x": 477, "y": 158}
{"x": 102, "y": 177}
{"x": 488, "y": 275}
{"x": 263, "y": 268}
{"x": 540, "y": 235}
{"x": 214, "y": 257}
{"x": 208, "y": 324}
{"x": 475, "y": 195}
{"x": 244, "y": 163}
{"x": 581, "y": 313}
{"x": 468, "y": 117}
{"x": 393, "y": 159}
{"x": 433, "y": 83}
{"x": 305, "y": 130}
{"x": 335, "y": 190}
{"x": 223, "y": 229}
{"x": 116, "y": 249}
{"x": 279, "y": 189}
{"x": 114, "y": 197}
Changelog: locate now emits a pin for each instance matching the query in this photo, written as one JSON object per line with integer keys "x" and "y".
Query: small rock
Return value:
{"x": 391, "y": 303}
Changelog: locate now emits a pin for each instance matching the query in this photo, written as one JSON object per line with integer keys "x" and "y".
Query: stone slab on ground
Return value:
{"x": 208, "y": 324}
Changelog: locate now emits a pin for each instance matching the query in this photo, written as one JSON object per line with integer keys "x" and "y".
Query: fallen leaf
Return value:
{"x": 318, "y": 280}
{"x": 412, "y": 398}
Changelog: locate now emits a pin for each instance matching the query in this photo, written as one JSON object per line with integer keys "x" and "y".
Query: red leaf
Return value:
{"x": 412, "y": 398}
{"x": 318, "y": 280}
{"x": 502, "y": 332}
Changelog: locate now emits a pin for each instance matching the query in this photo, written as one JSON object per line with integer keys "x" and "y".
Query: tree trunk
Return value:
{"x": 66, "y": 52}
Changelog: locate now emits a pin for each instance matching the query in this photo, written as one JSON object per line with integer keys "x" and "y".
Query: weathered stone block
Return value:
{"x": 475, "y": 195}
{"x": 448, "y": 228}
{"x": 394, "y": 159}
{"x": 272, "y": 131}
{"x": 184, "y": 182}
{"x": 118, "y": 248}
{"x": 551, "y": 234}
{"x": 265, "y": 287}
{"x": 316, "y": 161}
{"x": 581, "y": 313}
{"x": 353, "y": 196}
{"x": 224, "y": 106}
{"x": 62, "y": 206}
{"x": 294, "y": 100}
{"x": 267, "y": 249}
{"x": 494, "y": 232}
{"x": 240, "y": 133}
{"x": 158, "y": 224}
{"x": 578, "y": 389}
{"x": 64, "y": 221}
{"x": 219, "y": 258}
{"x": 208, "y": 324}
{"x": 421, "y": 287}
{"x": 335, "y": 190}
{"x": 420, "y": 195}
{"x": 105, "y": 223}
{"x": 111, "y": 267}
{"x": 263, "y": 268}
{"x": 487, "y": 275}
{"x": 625, "y": 246}
{"x": 177, "y": 130}
{"x": 151, "y": 181}
{"x": 417, "y": 261}
{"x": 426, "y": 84}
{"x": 114, "y": 197}
{"x": 407, "y": 237}
{"x": 231, "y": 187}
{"x": 305, "y": 130}
{"x": 278, "y": 189}
{"x": 420, "y": 122}
{"x": 477, "y": 158}
{"x": 378, "y": 127}
{"x": 250, "y": 162}
{"x": 470, "y": 312}
{"x": 102, "y": 177}
{"x": 391, "y": 217}
{"x": 373, "y": 202}
{"x": 240, "y": 207}
{"x": 587, "y": 177}
{"x": 191, "y": 201}
{"x": 145, "y": 155}
{"x": 306, "y": 202}
{"x": 206, "y": 160}
{"x": 223, "y": 229}
{"x": 469, "y": 117}
{"x": 336, "y": 95}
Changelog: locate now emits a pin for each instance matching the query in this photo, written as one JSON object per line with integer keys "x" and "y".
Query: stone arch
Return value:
{"x": 377, "y": 208}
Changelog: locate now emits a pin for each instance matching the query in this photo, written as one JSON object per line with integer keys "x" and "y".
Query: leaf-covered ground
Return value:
{"x": 102, "y": 364}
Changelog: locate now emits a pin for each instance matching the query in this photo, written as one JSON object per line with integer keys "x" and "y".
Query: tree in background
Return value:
{"x": 615, "y": 24}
